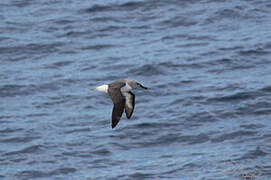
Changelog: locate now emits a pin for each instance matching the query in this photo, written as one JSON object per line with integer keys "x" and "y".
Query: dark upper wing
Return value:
{"x": 129, "y": 103}
{"x": 117, "y": 84}
{"x": 119, "y": 103}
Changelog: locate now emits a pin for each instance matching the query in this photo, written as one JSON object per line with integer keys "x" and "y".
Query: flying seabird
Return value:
{"x": 122, "y": 97}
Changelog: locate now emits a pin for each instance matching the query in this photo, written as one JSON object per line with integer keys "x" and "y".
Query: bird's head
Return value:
{"x": 136, "y": 85}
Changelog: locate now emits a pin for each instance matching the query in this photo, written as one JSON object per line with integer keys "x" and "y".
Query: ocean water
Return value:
{"x": 206, "y": 115}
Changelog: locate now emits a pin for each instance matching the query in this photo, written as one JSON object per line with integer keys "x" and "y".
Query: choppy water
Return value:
{"x": 206, "y": 115}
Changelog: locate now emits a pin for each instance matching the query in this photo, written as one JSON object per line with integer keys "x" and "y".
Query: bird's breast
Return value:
{"x": 126, "y": 88}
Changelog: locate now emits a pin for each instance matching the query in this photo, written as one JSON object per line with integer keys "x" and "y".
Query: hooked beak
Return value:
{"x": 143, "y": 87}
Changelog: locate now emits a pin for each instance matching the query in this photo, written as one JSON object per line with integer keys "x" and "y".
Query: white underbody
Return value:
{"x": 128, "y": 101}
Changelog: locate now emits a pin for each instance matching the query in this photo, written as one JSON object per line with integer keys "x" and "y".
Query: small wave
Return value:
{"x": 146, "y": 125}
{"x": 110, "y": 28}
{"x": 263, "y": 111}
{"x": 22, "y": 4}
{"x": 225, "y": 13}
{"x": 252, "y": 126}
{"x": 18, "y": 139}
{"x": 63, "y": 171}
{"x": 98, "y": 47}
{"x": 60, "y": 64}
{"x": 235, "y": 97}
{"x": 267, "y": 45}
{"x": 12, "y": 90}
{"x": 223, "y": 61}
{"x": 104, "y": 19}
{"x": 147, "y": 70}
{"x": 176, "y": 138}
{"x": 253, "y": 52}
{"x": 254, "y": 154}
{"x": 132, "y": 5}
{"x": 78, "y": 130}
{"x": 173, "y": 37}
{"x": 177, "y": 21}
{"x": 33, "y": 49}
{"x": 37, "y": 115}
{"x": 102, "y": 152}
{"x": 128, "y": 6}
{"x": 139, "y": 175}
{"x": 33, "y": 174}
{"x": 9, "y": 130}
{"x": 172, "y": 138}
{"x": 4, "y": 39}
{"x": 200, "y": 117}
{"x": 97, "y": 8}
{"x": 233, "y": 135}
{"x": 234, "y": 48}
{"x": 27, "y": 150}
{"x": 64, "y": 21}
{"x": 73, "y": 33}
{"x": 117, "y": 146}
{"x": 189, "y": 45}
{"x": 266, "y": 89}
{"x": 83, "y": 154}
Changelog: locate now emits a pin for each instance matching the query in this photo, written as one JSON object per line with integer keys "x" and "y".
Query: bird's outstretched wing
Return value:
{"x": 119, "y": 104}
{"x": 116, "y": 113}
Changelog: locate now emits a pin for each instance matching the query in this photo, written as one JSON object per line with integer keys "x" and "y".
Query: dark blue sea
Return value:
{"x": 205, "y": 116}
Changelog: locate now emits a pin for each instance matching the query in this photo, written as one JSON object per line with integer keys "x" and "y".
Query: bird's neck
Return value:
{"x": 126, "y": 88}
